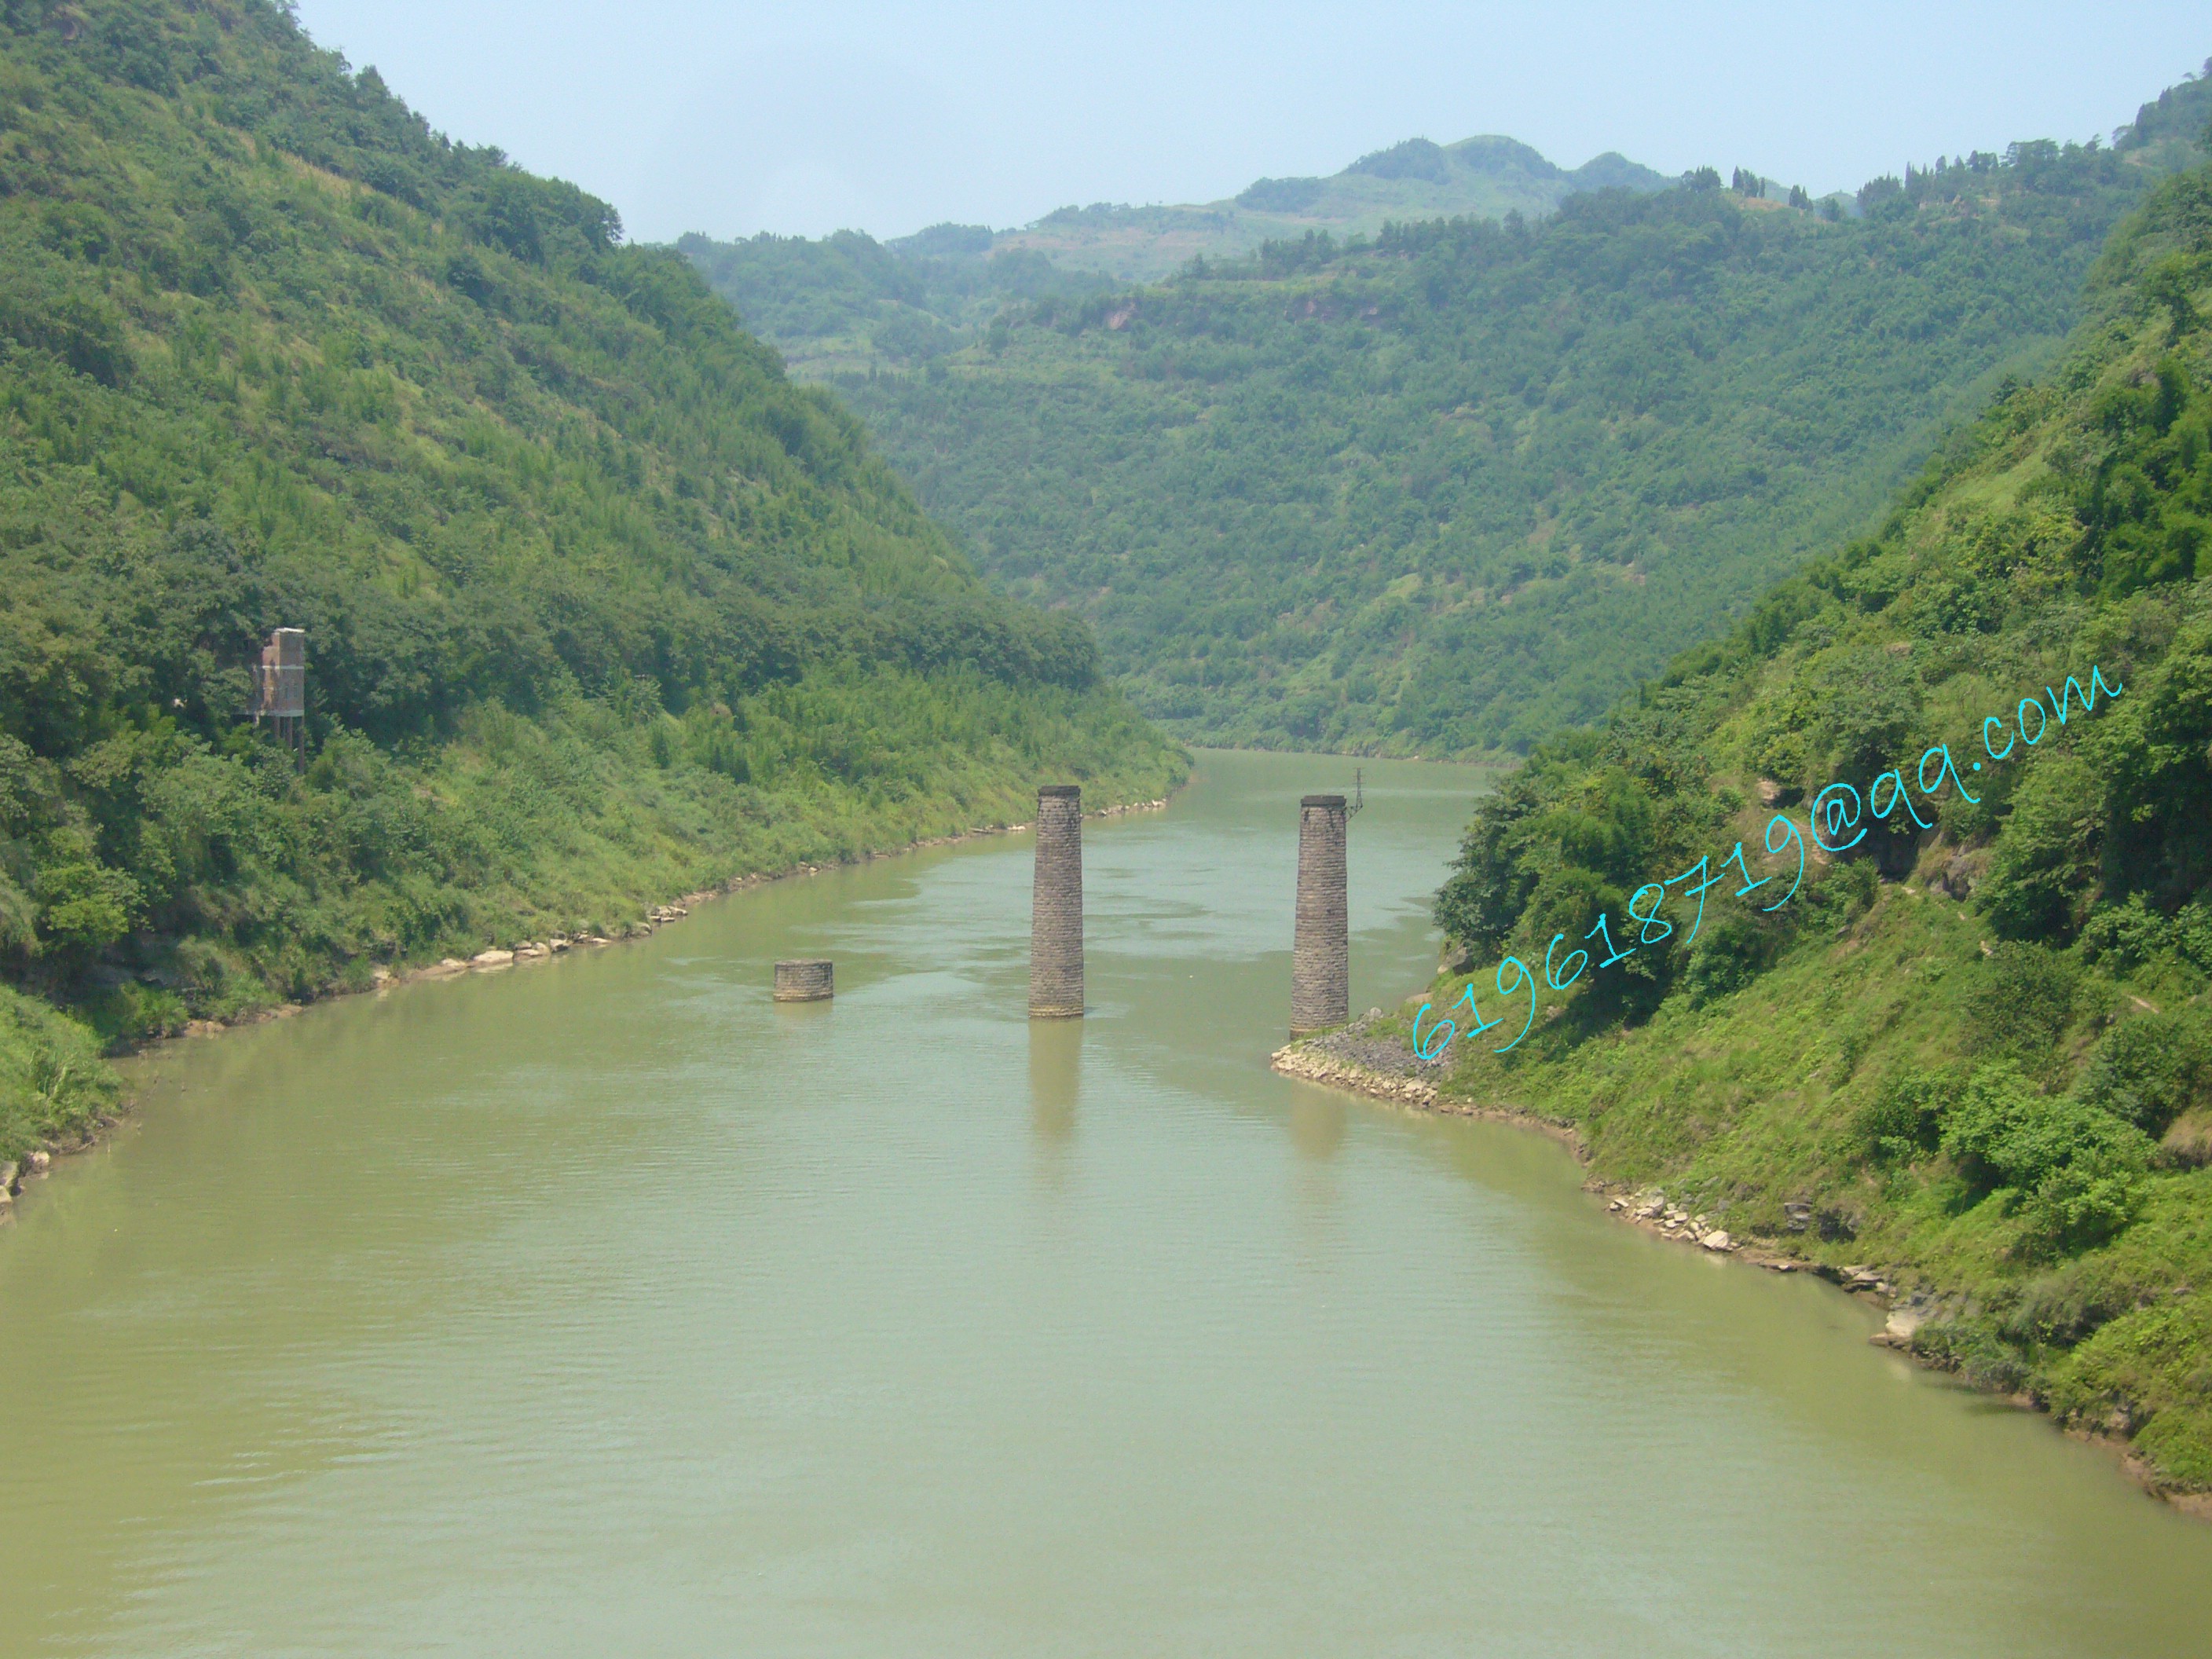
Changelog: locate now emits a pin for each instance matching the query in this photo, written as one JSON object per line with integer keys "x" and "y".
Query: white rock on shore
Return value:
{"x": 1301, "y": 1062}
{"x": 1897, "y": 1333}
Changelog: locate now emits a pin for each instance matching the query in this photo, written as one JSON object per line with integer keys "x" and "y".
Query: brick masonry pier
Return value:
{"x": 1321, "y": 951}
{"x": 1057, "y": 909}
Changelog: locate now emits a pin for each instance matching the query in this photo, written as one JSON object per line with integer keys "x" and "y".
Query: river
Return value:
{"x": 606, "y": 1307}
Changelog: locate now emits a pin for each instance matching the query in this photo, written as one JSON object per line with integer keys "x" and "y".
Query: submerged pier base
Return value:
{"x": 809, "y": 979}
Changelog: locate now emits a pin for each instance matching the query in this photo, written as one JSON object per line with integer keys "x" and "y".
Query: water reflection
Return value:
{"x": 1055, "y": 1078}
{"x": 794, "y": 1019}
{"x": 1317, "y": 1124}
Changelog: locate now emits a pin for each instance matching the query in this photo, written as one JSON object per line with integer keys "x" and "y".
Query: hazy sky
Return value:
{"x": 740, "y": 116}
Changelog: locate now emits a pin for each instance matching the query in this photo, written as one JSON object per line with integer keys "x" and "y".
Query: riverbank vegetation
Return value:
{"x": 1447, "y": 490}
{"x": 1976, "y": 1055}
{"x": 600, "y": 608}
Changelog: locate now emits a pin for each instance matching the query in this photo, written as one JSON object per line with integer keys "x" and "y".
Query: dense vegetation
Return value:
{"x": 1485, "y": 178}
{"x": 1978, "y": 1054}
{"x": 600, "y": 608}
{"x": 849, "y": 301}
{"x": 1451, "y": 491}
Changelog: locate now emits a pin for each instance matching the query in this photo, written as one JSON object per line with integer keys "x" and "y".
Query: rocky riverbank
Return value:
{"x": 494, "y": 958}
{"x": 1360, "y": 1061}
{"x": 523, "y": 952}
{"x": 526, "y": 952}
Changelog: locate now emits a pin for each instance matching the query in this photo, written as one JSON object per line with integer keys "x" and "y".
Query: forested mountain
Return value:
{"x": 1974, "y": 1049}
{"x": 1451, "y": 491}
{"x": 599, "y": 606}
{"x": 848, "y": 302}
{"x": 1483, "y": 177}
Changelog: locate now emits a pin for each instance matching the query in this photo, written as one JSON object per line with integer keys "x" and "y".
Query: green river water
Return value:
{"x": 607, "y": 1308}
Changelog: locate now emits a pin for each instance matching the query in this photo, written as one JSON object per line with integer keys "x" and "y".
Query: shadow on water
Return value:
{"x": 1055, "y": 1080}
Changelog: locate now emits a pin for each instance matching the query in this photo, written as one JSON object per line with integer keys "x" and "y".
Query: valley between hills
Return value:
{"x": 631, "y": 571}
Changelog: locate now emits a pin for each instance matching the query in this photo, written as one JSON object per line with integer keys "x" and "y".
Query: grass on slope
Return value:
{"x": 54, "y": 1083}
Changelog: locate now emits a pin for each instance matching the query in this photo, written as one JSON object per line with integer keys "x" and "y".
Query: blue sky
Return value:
{"x": 736, "y": 117}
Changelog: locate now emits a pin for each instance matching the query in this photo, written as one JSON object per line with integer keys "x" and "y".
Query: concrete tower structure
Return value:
{"x": 1321, "y": 951}
{"x": 1056, "y": 906}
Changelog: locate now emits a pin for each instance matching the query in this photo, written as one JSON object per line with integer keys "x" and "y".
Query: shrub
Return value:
{"x": 2043, "y": 870}
{"x": 2076, "y": 1170}
{"x": 2133, "y": 933}
{"x": 2151, "y": 1069}
{"x": 1975, "y": 1353}
{"x": 2158, "y": 838}
{"x": 2085, "y": 1201}
{"x": 1728, "y": 955}
{"x": 84, "y": 907}
{"x": 2003, "y": 1133}
{"x": 2020, "y": 1000}
{"x": 2066, "y": 1306}
{"x": 52, "y": 1082}
{"x": 1845, "y": 894}
{"x": 127, "y": 1012}
{"x": 1903, "y": 1120}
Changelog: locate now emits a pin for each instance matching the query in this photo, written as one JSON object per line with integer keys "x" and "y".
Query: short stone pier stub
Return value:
{"x": 1056, "y": 906}
{"x": 806, "y": 979}
{"x": 1321, "y": 949}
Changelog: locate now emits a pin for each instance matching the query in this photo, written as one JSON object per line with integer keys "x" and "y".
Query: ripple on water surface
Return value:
{"x": 609, "y": 1307}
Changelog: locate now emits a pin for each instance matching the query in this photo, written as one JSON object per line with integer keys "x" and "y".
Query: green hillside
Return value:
{"x": 599, "y": 607}
{"x": 848, "y": 302}
{"x": 1454, "y": 489}
{"x": 1483, "y": 177}
{"x": 1975, "y": 1056}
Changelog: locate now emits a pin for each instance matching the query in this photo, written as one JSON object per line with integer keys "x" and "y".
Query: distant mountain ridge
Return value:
{"x": 1452, "y": 488}
{"x": 1484, "y": 177}
{"x": 1492, "y": 157}
{"x": 847, "y": 302}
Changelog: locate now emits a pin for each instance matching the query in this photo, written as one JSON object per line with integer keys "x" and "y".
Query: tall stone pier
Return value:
{"x": 1056, "y": 906}
{"x": 1321, "y": 952}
